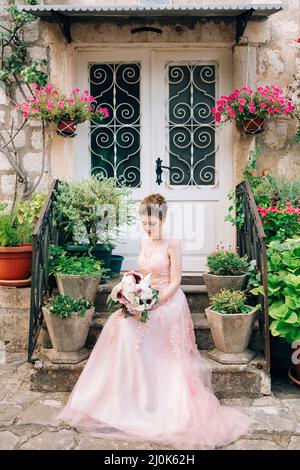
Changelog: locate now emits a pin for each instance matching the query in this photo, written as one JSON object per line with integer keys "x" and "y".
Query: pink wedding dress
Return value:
{"x": 148, "y": 381}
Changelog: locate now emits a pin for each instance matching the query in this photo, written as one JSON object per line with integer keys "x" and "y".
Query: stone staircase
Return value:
{"x": 229, "y": 381}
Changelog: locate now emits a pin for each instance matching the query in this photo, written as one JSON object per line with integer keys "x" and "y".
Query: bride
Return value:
{"x": 148, "y": 381}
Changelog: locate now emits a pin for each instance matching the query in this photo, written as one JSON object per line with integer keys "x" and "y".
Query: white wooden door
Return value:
{"x": 184, "y": 87}
{"x": 159, "y": 103}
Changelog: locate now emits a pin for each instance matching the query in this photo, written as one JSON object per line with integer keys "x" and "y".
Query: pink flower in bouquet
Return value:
{"x": 134, "y": 294}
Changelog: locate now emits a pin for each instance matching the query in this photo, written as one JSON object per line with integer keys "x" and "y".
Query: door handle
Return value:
{"x": 159, "y": 170}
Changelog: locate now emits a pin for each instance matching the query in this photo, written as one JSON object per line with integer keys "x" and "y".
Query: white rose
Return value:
{"x": 116, "y": 289}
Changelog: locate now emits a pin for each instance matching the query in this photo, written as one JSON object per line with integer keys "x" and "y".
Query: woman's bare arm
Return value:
{"x": 175, "y": 271}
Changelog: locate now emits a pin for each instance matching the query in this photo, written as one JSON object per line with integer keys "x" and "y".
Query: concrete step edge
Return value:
{"x": 199, "y": 319}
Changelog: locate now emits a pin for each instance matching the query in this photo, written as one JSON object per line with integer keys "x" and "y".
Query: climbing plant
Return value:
{"x": 17, "y": 71}
{"x": 235, "y": 214}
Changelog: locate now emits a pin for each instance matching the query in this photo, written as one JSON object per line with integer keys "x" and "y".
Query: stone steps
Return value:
{"x": 229, "y": 381}
{"x": 202, "y": 331}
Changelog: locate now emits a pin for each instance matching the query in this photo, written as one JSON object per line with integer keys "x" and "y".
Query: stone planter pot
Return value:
{"x": 78, "y": 286}
{"x": 15, "y": 264}
{"x": 215, "y": 283}
{"x": 68, "y": 336}
{"x": 231, "y": 334}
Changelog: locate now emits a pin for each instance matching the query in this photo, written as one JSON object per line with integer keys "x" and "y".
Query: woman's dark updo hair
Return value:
{"x": 154, "y": 205}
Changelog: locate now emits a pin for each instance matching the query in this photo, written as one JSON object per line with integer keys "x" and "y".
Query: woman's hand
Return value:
{"x": 160, "y": 300}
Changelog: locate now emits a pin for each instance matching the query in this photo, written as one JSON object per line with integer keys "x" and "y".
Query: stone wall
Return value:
{"x": 268, "y": 53}
{"x": 14, "y": 317}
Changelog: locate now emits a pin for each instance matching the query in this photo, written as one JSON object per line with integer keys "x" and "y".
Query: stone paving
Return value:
{"x": 27, "y": 419}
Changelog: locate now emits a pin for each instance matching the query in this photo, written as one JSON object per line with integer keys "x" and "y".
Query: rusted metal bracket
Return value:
{"x": 64, "y": 23}
{"x": 241, "y": 23}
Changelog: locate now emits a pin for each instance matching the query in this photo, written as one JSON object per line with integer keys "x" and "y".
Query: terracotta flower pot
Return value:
{"x": 66, "y": 127}
{"x": 15, "y": 262}
{"x": 252, "y": 126}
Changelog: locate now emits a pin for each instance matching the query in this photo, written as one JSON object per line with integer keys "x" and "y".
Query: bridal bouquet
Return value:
{"x": 134, "y": 295}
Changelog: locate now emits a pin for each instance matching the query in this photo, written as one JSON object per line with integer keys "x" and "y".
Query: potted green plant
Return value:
{"x": 250, "y": 108}
{"x": 231, "y": 323}
{"x": 93, "y": 210}
{"x": 15, "y": 249}
{"x": 284, "y": 297}
{"x": 227, "y": 270}
{"x": 76, "y": 276}
{"x": 66, "y": 112}
{"x": 68, "y": 322}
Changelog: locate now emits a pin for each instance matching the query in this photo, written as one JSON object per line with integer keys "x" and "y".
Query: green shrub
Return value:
{"x": 61, "y": 263}
{"x": 30, "y": 209}
{"x": 226, "y": 263}
{"x": 13, "y": 233}
{"x": 274, "y": 189}
{"x": 284, "y": 288}
{"x": 94, "y": 208}
{"x": 63, "y": 306}
{"x": 230, "y": 302}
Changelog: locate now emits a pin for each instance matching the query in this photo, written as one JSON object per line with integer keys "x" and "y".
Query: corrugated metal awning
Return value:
{"x": 153, "y": 9}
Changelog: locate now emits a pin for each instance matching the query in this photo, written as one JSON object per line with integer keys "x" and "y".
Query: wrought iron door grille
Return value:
{"x": 190, "y": 127}
{"x": 115, "y": 142}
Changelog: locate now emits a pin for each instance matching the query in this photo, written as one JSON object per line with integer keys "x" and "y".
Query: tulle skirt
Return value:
{"x": 150, "y": 382}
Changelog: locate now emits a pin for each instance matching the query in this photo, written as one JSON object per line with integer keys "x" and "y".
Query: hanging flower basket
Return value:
{"x": 66, "y": 128}
{"x": 252, "y": 126}
{"x": 50, "y": 104}
{"x": 250, "y": 108}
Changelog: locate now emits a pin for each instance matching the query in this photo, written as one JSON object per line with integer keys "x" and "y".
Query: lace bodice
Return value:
{"x": 155, "y": 260}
